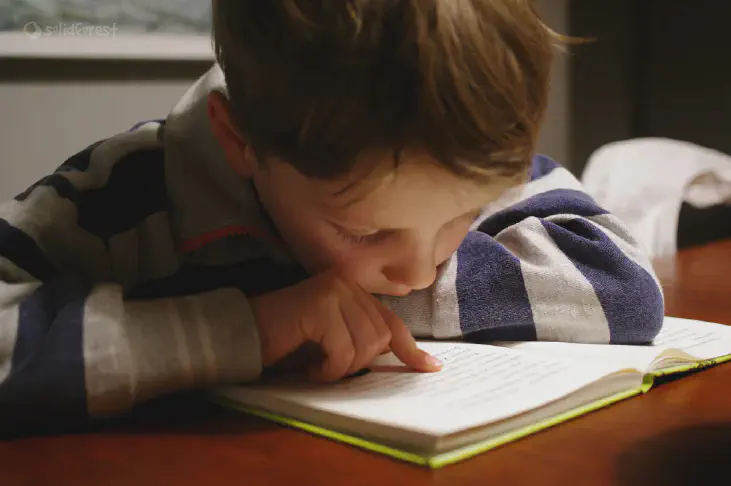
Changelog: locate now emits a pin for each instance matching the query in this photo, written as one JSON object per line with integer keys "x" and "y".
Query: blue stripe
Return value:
{"x": 46, "y": 386}
{"x": 557, "y": 201}
{"x": 253, "y": 277}
{"x": 64, "y": 188}
{"x": 631, "y": 300}
{"x": 542, "y": 166}
{"x": 135, "y": 190}
{"x": 493, "y": 302}
{"x": 143, "y": 122}
{"x": 24, "y": 252}
{"x": 80, "y": 162}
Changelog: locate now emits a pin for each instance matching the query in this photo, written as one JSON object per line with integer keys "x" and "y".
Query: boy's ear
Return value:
{"x": 238, "y": 153}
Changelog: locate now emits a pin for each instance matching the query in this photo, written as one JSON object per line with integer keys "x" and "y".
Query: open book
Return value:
{"x": 485, "y": 396}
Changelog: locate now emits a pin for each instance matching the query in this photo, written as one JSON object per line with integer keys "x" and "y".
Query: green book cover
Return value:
{"x": 682, "y": 334}
{"x": 685, "y": 368}
{"x": 442, "y": 459}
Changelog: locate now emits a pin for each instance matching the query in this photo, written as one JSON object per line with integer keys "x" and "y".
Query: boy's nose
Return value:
{"x": 416, "y": 273}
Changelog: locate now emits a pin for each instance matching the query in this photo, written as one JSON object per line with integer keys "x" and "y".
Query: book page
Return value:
{"x": 696, "y": 340}
{"x": 629, "y": 357}
{"x": 479, "y": 384}
{"x": 702, "y": 340}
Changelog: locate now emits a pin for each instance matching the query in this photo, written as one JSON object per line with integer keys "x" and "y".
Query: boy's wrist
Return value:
{"x": 261, "y": 307}
{"x": 275, "y": 316}
{"x": 256, "y": 304}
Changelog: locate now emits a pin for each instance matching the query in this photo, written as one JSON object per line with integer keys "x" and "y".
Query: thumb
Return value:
{"x": 404, "y": 346}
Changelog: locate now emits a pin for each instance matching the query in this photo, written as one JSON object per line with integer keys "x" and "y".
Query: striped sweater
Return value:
{"x": 124, "y": 274}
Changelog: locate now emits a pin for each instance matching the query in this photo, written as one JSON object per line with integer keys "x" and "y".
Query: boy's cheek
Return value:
{"x": 357, "y": 267}
{"x": 319, "y": 254}
{"x": 309, "y": 245}
{"x": 450, "y": 244}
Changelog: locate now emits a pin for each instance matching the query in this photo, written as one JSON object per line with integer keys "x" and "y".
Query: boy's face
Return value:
{"x": 389, "y": 235}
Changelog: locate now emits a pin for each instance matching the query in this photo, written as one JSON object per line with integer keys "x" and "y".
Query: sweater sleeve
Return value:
{"x": 72, "y": 346}
{"x": 549, "y": 264}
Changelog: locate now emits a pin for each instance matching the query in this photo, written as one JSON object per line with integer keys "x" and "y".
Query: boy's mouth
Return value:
{"x": 395, "y": 292}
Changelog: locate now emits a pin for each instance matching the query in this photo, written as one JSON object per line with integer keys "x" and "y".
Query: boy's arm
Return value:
{"x": 71, "y": 345}
{"x": 552, "y": 266}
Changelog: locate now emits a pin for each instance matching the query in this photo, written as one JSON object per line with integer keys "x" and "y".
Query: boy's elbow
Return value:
{"x": 636, "y": 314}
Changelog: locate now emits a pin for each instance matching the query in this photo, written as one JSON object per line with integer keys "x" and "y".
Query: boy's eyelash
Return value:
{"x": 362, "y": 239}
{"x": 380, "y": 235}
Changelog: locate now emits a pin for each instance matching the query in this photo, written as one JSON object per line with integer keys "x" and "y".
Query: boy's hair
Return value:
{"x": 317, "y": 83}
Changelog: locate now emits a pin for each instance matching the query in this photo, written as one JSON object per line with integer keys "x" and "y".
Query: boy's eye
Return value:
{"x": 363, "y": 239}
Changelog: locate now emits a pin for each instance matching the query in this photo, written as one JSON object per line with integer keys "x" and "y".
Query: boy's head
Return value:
{"x": 375, "y": 130}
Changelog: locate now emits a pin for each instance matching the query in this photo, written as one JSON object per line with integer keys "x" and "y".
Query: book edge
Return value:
{"x": 442, "y": 459}
{"x": 446, "y": 458}
{"x": 697, "y": 365}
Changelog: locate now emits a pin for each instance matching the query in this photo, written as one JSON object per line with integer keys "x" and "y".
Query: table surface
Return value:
{"x": 675, "y": 434}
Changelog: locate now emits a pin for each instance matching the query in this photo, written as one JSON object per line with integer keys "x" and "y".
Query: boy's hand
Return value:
{"x": 350, "y": 326}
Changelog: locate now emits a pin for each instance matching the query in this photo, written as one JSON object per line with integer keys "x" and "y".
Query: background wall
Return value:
{"x": 555, "y": 138}
{"x": 656, "y": 69}
{"x": 52, "y": 109}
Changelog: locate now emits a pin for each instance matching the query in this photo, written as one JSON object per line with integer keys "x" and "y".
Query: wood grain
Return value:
{"x": 679, "y": 433}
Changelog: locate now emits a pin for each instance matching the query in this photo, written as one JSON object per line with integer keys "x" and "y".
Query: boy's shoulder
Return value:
{"x": 174, "y": 161}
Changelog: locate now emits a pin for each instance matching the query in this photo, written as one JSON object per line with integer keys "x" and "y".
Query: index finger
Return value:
{"x": 404, "y": 346}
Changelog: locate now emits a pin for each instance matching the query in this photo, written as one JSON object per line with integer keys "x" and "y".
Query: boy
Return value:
{"x": 349, "y": 173}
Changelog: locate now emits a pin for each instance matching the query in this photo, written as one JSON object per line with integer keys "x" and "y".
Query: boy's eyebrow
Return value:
{"x": 346, "y": 203}
{"x": 366, "y": 178}
{"x": 345, "y": 189}
{"x": 373, "y": 229}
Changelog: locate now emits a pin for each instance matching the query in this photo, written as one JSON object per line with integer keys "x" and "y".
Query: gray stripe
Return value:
{"x": 621, "y": 236}
{"x": 200, "y": 340}
{"x": 415, "y": 310}
{"x": 51, "y": 221}
{"x": 434, "y": 311}
{"x": 190, "y": 349}
{"x": 137, "y": 350}
{"x": 155, "y": 344}
{"x": 565, "y": 305}
{"x": 233, "y": 335}
{"x": 446, "y": 303}
{"x": 202, "y": 343}
{"x": 559, "y": 178}
{"x": 10, "y": 297}
{"x": 109, "y": 369}
{"x": 11, "y": 273}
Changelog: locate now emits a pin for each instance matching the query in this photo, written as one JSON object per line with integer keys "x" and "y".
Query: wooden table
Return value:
{"x": 680, "y": 433}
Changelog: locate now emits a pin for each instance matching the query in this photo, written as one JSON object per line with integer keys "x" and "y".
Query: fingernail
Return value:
{"x": 434, "y": 362}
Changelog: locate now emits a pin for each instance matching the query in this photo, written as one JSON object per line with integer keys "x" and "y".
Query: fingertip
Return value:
{"x": 423, "y": 361}
{"x": 434, "y": 363}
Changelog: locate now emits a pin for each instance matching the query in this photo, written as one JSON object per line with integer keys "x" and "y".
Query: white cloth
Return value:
{"x": 645, "y": 181}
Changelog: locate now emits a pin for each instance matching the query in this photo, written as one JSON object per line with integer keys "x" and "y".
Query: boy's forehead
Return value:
{"x": 378, "y": 175}
{"x": 387, "y": 198}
